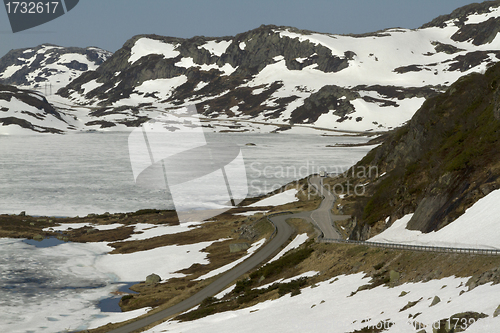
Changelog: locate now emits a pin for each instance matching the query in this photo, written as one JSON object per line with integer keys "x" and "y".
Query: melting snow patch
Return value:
{"x": 146, "y": 231}
{"x": 255, "y": 246}
{"x": 278, "y": 199}
{"x": 297, "y": 241}
{"x": 476, "y": 228}
{"x": 164, "y": 261}
{"x": 252, "y": 212}
{"x": 216, "y": 48}
{"x": 330, "y": 307}
{"x": 68, "y": 226}
{"x": 146, "y": 46}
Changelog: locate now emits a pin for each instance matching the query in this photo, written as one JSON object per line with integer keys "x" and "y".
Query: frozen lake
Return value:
{"x": 78, "y": 174}
{"x": 59, "y": 288}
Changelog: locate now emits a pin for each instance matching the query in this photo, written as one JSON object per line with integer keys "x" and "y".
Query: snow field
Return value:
{"x": 477, "y": 228}
{"x": 328, "y": 307}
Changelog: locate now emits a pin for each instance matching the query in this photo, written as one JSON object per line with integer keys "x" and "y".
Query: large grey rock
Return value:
{"x": 153, "y": 279}
{"x": 394, "y": 276}
{"x": 233, "y": 248}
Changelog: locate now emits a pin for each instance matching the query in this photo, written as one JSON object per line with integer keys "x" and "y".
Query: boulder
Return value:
{"x": 233, "y": 248}
{"x": 435, "y": 301}
{"x": 497, "y": 312}
{"x": 394, "y": 276}
{"x": 38, "y": 238}
{"x": 153, "y": 279}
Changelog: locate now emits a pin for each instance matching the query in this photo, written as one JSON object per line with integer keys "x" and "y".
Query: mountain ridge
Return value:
{"x": 284, "y": 76}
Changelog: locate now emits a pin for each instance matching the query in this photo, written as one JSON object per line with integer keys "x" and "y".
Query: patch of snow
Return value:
{"x": 227, "y": 69}
{"x": 216, "y": 48}
{"x": 201, "y": 85}
{"x": 306, "y": 275}
{"x": 278, "y": 199}
{"x": 479, "y": 18}
{"x": 297, "y": 241}
{"x": 242, "y": 46}
{"x": 477, "y": 228}
{"x": 255, "y": 246}
{"x": 74, "y": 226}
{"x": 11, "y": 70}
{"x": 147, "y": 231}
{"x": 252, "y": 212}
{"x": 146, "y": 46}
{"x": 258, "y": 91}
{"x": 91, "y": 85}
{"x": 225, "y": 292}
{"x": 175, "y": 258}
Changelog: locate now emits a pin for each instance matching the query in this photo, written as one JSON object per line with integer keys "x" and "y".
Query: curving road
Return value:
{"x": 284, "y": 231}
{"x": 321, "y": 217}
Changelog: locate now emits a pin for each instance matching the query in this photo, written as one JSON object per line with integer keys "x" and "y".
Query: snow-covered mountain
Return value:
{"x": 277, "y": 78}
{"x": 47, "y": 67}
{"x": 286, "y": 76}
{"x": 29, "y": 76}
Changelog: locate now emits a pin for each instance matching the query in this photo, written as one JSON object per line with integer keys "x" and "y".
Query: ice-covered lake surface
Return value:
{"x": 78, "y": 174}
{"x": 59, "y": 288}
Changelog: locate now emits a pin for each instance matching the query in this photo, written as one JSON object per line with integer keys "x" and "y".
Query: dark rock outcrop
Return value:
{"x": 441, "y": 162}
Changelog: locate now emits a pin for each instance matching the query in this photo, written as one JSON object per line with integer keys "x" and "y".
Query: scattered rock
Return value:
{"x": 153, "y": 279}
{"x": 435, "y": 301}
{"x": 23, "y": 213}
{"x": 491, "y": 276}
{"x": 250, "y": 144}
{"x": 447, "y": 325}
{"x": 394, "y": 276}
{"x": 247, "y": 233}
{"x": 497, "y": 312}
{"x": 403, "y": 293}
{"x": 38, "y": 238}
{"x": 233, "y": 248}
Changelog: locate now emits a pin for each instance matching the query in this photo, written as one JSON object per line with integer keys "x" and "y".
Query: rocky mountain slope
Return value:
{"x": 267, "y": 79}
{"x": 47, "y": 68}
{"x": 24, "y": 111}
{"x": 282, "y": 75}
{"x": 438, "y": 165}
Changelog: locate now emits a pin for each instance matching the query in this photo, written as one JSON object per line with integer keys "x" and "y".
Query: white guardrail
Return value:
{"x": 490, "y": 252}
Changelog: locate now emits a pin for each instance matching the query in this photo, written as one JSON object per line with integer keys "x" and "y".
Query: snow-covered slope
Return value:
{"x": 47, "y": 67}
{"x": 27, "y": 111}
{"x": 335, "y": 306}
{"x": 285, "y": 76}
{"x": 28, "y": 77}
{"x": 477, "y": 228}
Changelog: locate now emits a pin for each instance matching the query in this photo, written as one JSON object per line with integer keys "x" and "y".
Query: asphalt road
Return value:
{"x": 284, "y": 231}
{"x": 322, "y": 217}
